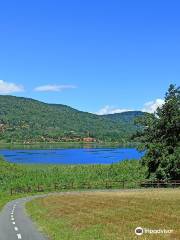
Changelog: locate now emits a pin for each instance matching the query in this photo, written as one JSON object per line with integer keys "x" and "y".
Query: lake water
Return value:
{"x": 71, "y": 156}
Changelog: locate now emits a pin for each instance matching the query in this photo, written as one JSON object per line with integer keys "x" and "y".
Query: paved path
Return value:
{"x": 15, "y": 223}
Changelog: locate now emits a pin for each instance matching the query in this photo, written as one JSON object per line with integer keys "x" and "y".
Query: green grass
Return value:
{"x": 15, "y": 175}
{"x": 24, "y": 176}
{"x": 6, "y": 197}
{"x": 108, "y": 215}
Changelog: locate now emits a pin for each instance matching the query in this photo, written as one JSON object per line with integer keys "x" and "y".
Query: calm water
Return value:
{"x": 71, "y": 156}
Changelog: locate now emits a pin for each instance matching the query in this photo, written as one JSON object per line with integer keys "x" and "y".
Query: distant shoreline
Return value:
{"x": 18, "y": 145}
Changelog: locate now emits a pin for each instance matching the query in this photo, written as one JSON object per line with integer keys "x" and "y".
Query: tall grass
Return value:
{"x": 16, "y": 175}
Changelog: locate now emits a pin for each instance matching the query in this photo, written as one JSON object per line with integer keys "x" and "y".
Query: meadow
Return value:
{"x": 29, "y": 177}
{"x": 107, "y": 215}
{"x": 16, "y": 175}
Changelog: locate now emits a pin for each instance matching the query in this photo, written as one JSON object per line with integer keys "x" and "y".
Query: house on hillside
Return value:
{"x": 89, "y": 139}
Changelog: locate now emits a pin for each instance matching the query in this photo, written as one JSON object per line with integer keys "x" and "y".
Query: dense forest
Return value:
{"x": 28, "y": 121}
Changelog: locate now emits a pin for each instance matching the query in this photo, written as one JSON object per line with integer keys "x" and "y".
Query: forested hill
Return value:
{"x": 124, "y": 117}
{"x": 28, "y": 120}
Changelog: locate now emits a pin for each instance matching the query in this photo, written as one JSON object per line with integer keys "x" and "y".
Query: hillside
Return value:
{"x": 124, "y": 117}
{"x": 28, "y": 120}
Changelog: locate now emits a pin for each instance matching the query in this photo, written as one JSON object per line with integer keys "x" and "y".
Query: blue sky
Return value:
{"x": 91, "y": 55}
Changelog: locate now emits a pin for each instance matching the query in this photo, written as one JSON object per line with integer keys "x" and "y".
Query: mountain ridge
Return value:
{"x": 27, "y": 119}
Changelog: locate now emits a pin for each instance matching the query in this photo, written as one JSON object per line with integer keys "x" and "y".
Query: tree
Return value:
{"x": 160, "y": 138}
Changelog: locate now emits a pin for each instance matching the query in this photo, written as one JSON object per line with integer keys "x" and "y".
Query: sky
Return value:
{"x": 98, "y": 56}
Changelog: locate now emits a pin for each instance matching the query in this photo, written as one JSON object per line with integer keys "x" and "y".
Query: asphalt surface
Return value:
{"x": 15, "y": 223}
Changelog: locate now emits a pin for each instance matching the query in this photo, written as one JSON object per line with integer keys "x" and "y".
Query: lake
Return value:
{"x": 71, "y": 156}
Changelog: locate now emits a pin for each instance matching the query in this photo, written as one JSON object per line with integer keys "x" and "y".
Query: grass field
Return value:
{"x": 24, "y": 176}
{"x": 16, "y": 175}
{"x": 108, "y": 215}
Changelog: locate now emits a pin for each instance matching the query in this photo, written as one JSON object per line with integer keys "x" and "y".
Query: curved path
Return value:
{"x": 15, "y": 223}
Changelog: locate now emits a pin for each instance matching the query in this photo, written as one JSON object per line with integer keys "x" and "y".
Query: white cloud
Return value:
{"x": 151, "y": 106}
{"x": 111, "y": 110}
{"x": 53, "y": 88}
{"x": 8, "y": 87}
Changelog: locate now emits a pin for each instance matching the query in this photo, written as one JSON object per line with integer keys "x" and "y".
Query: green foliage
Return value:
{"x": 27, "y": 120}
{"x": 15, "y": 175}
{"x": 160, "y": 138}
